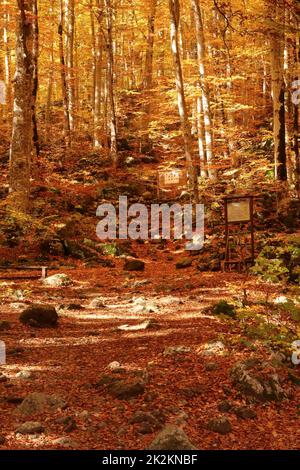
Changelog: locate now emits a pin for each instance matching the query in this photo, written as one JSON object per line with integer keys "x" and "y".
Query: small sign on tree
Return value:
{"x": 172, "y": 179}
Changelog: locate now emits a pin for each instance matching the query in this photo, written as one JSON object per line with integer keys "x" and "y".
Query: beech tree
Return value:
{"x": 182, "y": 107}
{"x": 21, "y": 141}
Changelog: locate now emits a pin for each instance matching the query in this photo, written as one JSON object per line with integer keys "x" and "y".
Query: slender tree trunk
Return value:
{"x": 201, "y": 53}
{"x": 51, "y": 75}
{"x": 21, "y": 142}
{"x": 185, "y": 124}
{"x": 67, "y": 133}
{"x": 110, "y": 84}
{"x": 7, "y": 60}
{"x": 148, "y": 76}
{"x": 70, "y": 79}
{"x": 278, "y": 95}
{"x": 98, "y": 54}
{"x": 35, "y": 76}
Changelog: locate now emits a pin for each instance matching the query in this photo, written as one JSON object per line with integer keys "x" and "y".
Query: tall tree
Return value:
{"x": 21, "y": 142}
{"x": 110, "y": 83}
{"x": 182, "y": 107}
{"x": 35, "y": 55}
{"x": 278, "y": 92}
{"x": 64, "y": 90}
{"x": 201, "y": 54}
{"x": 70, "y": 35}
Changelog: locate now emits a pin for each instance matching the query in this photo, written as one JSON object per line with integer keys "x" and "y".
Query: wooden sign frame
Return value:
{"x": 239, "y": 211}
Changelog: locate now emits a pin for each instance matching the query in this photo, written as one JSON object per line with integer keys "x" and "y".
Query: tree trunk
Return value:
{"x": 185, "y": 124}
{"x": 148, "y": 76}
{"x": 21, "y": 142}
{"x": 278, "y": 95}
{"x": 51, "y": 74}
{"x": 110, "y": 84}
{"x": 7, "y": 61}
{"x": 201, "y": 54}
{"x": 67, "y": 133}
{"x": 70, "y": 28}
{"x": 35, "y": 76}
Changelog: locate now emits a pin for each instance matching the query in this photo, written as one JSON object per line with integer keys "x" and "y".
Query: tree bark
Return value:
{"x": 21, "y": 142}
{"x": 67, "y": 133}
{"x": 201, "y": 54}
{"x": 35, "y": 76}
{"x": 70, "y": 79}
{"x": 110, "y": 84}
{"x": 182, "y": 107}
{"x": 278, "y": 95}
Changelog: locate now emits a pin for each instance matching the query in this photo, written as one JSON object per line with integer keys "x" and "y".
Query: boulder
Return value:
{"x": 258, "y": 381}
{"x": 57, "y": 280}
{"x": 124, "y": 385}
{"x": 134, "y": 265}
{"x": 220, "y": 425}
{"x": 39, "y": 403}
{"x": 171, "y": 438}
{"x": 39, "y": 316}
{"x": 184, "y": 263}
{"x": 30, "y": 427}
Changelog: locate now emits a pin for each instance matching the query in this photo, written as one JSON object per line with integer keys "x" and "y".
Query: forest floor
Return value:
{"x": 187, "y": 386}
{"x": 177, "y": 367}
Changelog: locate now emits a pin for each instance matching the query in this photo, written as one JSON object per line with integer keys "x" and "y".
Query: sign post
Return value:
{"x": 239, "y": 232}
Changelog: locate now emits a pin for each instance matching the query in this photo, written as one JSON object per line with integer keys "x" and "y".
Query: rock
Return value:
{"x": 65, "y": 442}
{"x": 171, "y": 438}
{"x": 2, "y": 440}
{"x": 30, "y": 427}
{"x": 24, "y": 374}
{"x": 184, "y": 263}
{"x": 148, "y": 324}
{"x": 126, "y": 390}
{"x": 57, "y": 280}
{"x": 220, "y": 425}
{"x": 14, "y": 400}
{"x": 134, "y": 265}
{"x": 211, "y": 366}
{"x": 126, "y": 386}
{"x": 97, "y": 303}
{"x": 225, "y": 406}
{"x": 257, "y": 381}
{"x": 214, "y": 349}
{"x": 142, "y": 306}
{"x": 68, "y": 422}
{"x": 18, "y": 305}
{"x": 194, "y": 391}
{"x": 245, "y": 412}
{"x": 224, "y": 308}
{"x": 173, "y": 350}
{"x": 4, "y": 325}
{"x": 39, "y": 316}
{"x": 148, "y": 423}
{"x": 114, "y": 366}
{"x": 40, "y": 402}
